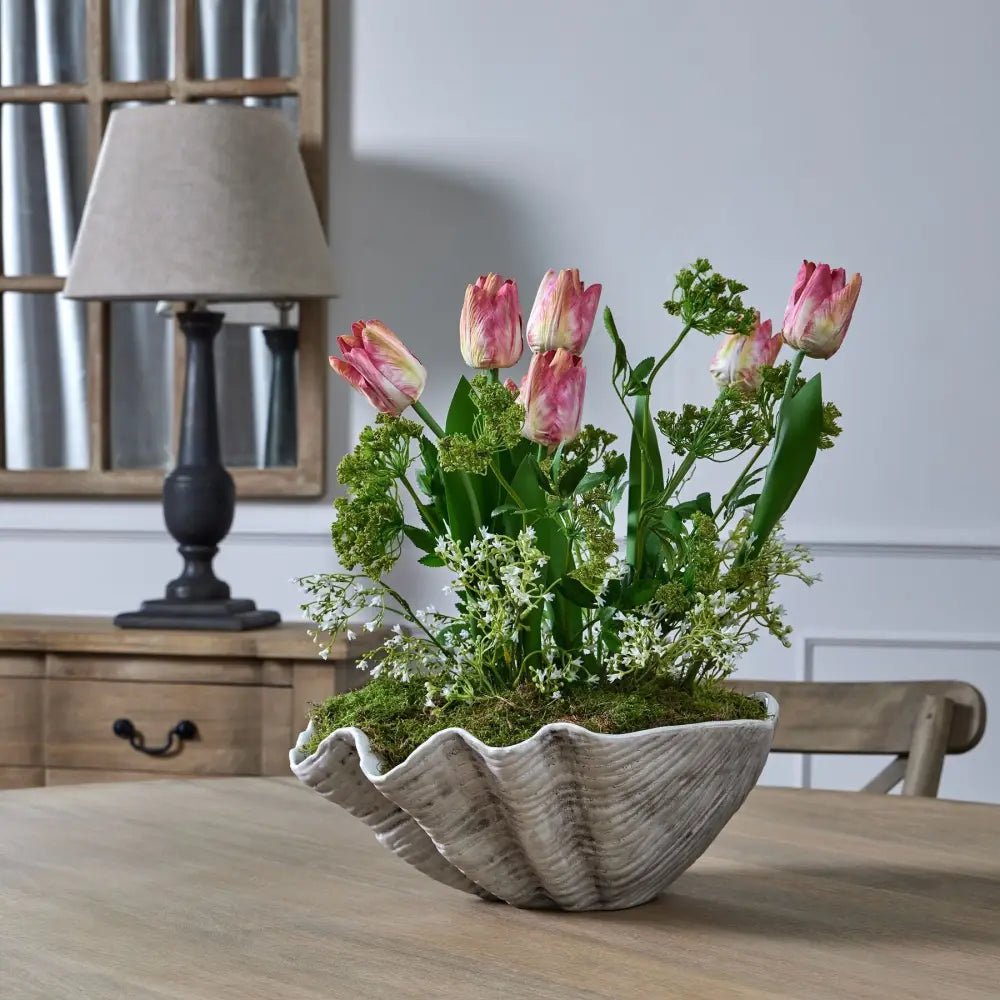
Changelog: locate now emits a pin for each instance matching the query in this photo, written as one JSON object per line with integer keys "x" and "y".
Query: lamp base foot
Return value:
{"x": 222, "y": 615}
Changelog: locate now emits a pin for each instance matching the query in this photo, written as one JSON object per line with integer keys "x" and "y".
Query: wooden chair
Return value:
{"x": 919, "y": 721}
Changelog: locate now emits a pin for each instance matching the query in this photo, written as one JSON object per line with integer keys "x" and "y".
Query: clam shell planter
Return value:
{"x": 568, "y": 819}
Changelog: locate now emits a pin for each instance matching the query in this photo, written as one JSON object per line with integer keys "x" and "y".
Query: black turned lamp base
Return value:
{"x": 222, "y": 615}
{"x": 199, "y": 499}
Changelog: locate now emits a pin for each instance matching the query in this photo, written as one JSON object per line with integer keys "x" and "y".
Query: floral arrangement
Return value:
{"x": 516, "y": 500}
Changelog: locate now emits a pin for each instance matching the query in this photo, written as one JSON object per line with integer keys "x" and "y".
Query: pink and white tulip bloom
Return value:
{"x": 740, "y": 359}
{"x": 379, "y": 365}
{"x": 819, "y": 309}
{"x": 489, "y": 330}
{"x": 563, "y": 314}
{"x": 552, "y": 397}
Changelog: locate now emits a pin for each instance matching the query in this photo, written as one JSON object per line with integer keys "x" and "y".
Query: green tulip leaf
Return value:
{"x": 799, "y": 429}
{"x": 575, "y": 591}
{"x": 639, "y": 593}
{"x": 620, "y": 365}
{"x": 571, "y": 479}
{"x": 462, "y": 411}
{"x": 645, "y": 474}
{"x": 465, "y": 495}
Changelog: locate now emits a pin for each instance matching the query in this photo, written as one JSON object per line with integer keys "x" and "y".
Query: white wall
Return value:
{"x": 627, "y": 138}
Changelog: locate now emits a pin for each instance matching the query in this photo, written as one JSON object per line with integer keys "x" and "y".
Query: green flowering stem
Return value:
{"x": 412, "y": 615}
{"x": 423, "y": 509}
{"x": 680, "y": 474}
{"x": 425, "y": 416}
{"x": 673, "y": 347}
{"x": 541, "y": 453}
{"x": 738, "y": 485}
{"x": 493, "y": 375}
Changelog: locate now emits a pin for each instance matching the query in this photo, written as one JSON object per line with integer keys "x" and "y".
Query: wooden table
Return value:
{"x": 257, "y": 889}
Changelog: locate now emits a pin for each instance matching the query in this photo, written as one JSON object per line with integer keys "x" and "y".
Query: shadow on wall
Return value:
{"x": 406, "y": 241}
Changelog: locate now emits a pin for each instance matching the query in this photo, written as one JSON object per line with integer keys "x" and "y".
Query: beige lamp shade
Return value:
{"x": 199, "y": 202}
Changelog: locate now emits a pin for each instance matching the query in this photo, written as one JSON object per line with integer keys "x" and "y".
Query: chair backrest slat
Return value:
{"x": 866, "y": 717}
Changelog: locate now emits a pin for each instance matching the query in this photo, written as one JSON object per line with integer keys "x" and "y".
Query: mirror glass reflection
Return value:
{"x": 141, "y": 386}
{"x": 257, "y": 381}
{"x": 44, "y": 382}
{"x": 141, "y": 39}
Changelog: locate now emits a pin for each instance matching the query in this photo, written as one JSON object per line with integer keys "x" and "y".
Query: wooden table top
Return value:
{"x": 258, "y": 889}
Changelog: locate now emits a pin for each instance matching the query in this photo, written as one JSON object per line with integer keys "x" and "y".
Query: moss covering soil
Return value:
{"x": 394, "y": 717}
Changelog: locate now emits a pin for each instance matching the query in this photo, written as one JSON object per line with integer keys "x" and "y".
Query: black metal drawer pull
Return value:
{"x": 184, "y": 730}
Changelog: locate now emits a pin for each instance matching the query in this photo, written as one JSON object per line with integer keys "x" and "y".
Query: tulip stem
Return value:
{"x": 541, "y": 453}
{"x": 424, "y": 415}
{"x": 510, "y": 489}
{"x": 493, "y": 375}
{"x": 793, "y": 374}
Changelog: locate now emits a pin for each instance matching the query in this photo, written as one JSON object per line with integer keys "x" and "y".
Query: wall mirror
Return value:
{"x": 90, "y": 392}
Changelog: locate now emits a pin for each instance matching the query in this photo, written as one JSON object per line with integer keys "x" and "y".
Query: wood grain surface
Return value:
{"x": 73, "y": 634}
{"x": 257, "y": 889}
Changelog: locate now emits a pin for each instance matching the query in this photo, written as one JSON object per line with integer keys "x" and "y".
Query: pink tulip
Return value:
{"x": 379, "y": 364}
{"x": 563, "y": 314}
{"x": 552, "y": 397}
{"x": 740, "y": 359}
{"x": 489, "y": 330}
{"x": 819, "y": 309}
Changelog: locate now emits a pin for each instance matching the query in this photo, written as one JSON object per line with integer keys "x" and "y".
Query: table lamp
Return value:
{"x": 198, "y": 203}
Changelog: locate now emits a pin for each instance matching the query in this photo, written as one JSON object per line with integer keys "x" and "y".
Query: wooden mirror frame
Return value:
{"x": 98, "y": 93}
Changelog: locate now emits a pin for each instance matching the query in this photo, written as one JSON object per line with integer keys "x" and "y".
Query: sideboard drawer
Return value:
{"x": 241, "y": 729}
{"x": 21, "y": 724}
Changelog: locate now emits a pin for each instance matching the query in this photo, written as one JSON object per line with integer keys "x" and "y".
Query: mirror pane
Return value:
{"x": 141, "y": 373}
{"x": 45, "y": 382}
{"x": 42, "y": 41}
{"x": 142, "y": 39}
{"x": 257, "y": 381}
{"x": 252, "y": 39}
{"x": 43, "y": 181}
{"x": 288, "y": 106}
{"x": 257, "y": 372}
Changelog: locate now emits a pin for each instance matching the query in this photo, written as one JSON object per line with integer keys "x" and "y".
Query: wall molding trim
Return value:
{"x": 917, "y": 548}
{"x": 159, "y": 536}
{"x": 807, "y": 645}
{"x": 945, "y": 641}
{"x": 839, "y": 548}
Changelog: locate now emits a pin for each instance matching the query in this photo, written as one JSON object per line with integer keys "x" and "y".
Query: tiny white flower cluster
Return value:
{"x": 337, "y": 599}
{"x": 617, "y": 568}
{"x": 501, "y": 636}
{"x": 708, "y": 641}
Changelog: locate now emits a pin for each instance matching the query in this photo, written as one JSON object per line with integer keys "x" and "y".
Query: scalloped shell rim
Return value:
{"x": 371, "y": 762}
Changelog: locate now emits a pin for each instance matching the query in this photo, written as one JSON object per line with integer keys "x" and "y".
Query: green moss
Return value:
{"x": 393, "y": 715}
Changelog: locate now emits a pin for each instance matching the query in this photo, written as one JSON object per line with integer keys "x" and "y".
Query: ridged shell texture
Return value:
{"x": 568, "y": 819}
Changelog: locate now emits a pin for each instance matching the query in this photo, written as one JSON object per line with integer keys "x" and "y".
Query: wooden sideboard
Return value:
{"x": 65, "y": 681}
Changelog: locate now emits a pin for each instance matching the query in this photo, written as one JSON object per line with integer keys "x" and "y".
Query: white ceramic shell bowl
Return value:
{"x": 568, "y": 819}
